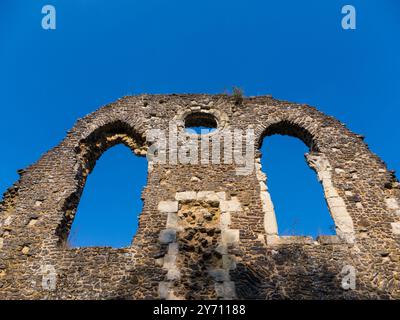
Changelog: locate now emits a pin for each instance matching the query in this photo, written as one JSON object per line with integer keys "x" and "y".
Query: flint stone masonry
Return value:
{"x": 207, "y": 230}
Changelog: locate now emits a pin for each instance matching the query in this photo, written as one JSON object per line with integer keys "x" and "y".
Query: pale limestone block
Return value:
{"x": 222, "y": 249}
{"x": 225, "y": 219}
{"x": 219, "y": 274}
{"x": 261, "y": 176}
{"x": 267, "y": 206}
{"x": 270, "y": 224}
{"x": 160, "y": 262}
{"x": 221, "y": 195}
{"x": 173, "y": 274}
{"x": 329, "y": 190}
{"x": 207, "y": 196}
{"x": 219, "y": 290}
{"x": 345, "y": 236}
{"x": 173, "y": 248}
{"x": 168, "y": 206}
{"x": 263, "y": 186}
{"x": 163, "y": 289}
{"x": 324, "y": 175}
{"x": 230, "y": 205}
{"x": 396, "y": 228}
{"x": 172, "y": 220}
{"x": 167, "y": 236}
{"x": 169, "y": 261}
{"x": 392, "y": 204}
{"x": 335, "y": 202}
{"x": 228, "y": 262}
{"x": 272, "y": 239}
{"x": 230, "y": 236}
{"x": 339, "y": 213}
{"x": 229, "y": 290}
{"x": 187, "y": 195}
{"x": 266, "y": 201}
{"x": 342, "y": 219}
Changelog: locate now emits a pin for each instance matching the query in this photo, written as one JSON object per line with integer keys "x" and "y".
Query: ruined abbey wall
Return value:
{"x": 205, "y": 231}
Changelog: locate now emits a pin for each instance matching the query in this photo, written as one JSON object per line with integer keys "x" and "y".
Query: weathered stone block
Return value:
{"x": 228, "y": 262}
{"x": 168, "y": 206}
{"x": 229, "y": 290}
{"x": 167, "y": 236}
{"x": 219, "y": 274}
{"x": 169, "y": 261}
{"x": 219, "y": 290}
{"x": 396, "y": 228}
{"x": 230, "y": 236}
{"x": 187, "y": 195}
{"x": 230, "y": 205}
{"x": 207, "y": 196}
{"x": 225, "y": 290}
{"x": 221, "y": 195}
{"x": 173, "y": 274}
{"x": 173, "y": 248}
{"x": 172, "y": 220}
{"x": 163, "y": 289}
{"x": 329, "y": 240}
{"x": 392, "y": 204}
{"x": 225, "y": 219}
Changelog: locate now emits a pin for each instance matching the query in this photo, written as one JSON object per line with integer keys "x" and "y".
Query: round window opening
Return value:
{"x": 200, "y": 123}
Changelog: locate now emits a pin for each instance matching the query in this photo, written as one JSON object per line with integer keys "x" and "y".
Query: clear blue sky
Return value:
{"x": 102, "y": 50}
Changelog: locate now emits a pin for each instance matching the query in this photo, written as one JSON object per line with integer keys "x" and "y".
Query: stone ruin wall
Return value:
{"x": 205, "y": 232}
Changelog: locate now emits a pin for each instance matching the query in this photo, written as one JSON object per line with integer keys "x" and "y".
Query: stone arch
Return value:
{"x": 290, "y": 128}
{"x": 319, "y": 162}
{"x": 88, "y": 151}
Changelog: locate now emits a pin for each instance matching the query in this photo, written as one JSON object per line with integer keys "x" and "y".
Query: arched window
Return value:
{"x": 294, "y": 202}
{"x": 103, "y": 210}
{"x": 108, "y": 211}
{"x": 298, "y": 197}
{"x": 200, "y": 123}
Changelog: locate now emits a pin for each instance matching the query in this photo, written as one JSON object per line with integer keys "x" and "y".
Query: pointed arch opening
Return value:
{"x": 104, "y": 209}
{"x": 293, "y": 201}
{"x": 297, "y": 195}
